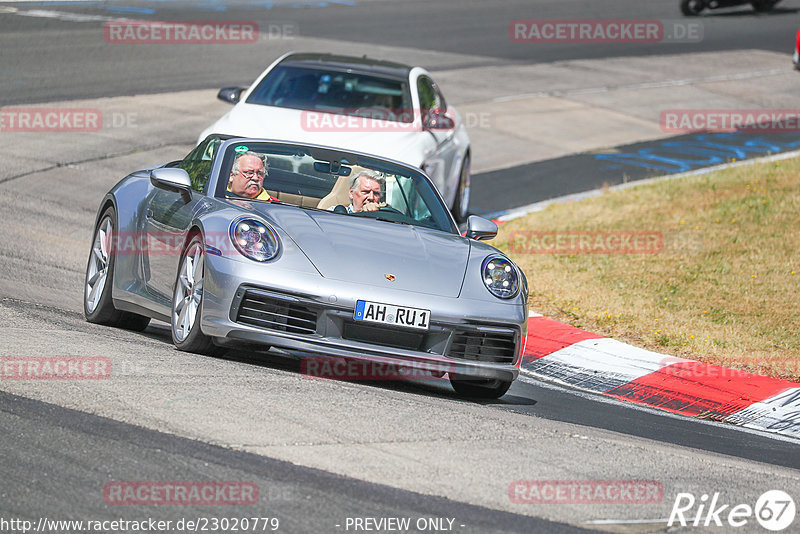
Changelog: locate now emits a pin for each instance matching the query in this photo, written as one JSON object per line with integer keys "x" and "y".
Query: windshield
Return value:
{"x": 331, "y": 91}
{"x": 340, "y": 183}
{"x": 198, "y": 162}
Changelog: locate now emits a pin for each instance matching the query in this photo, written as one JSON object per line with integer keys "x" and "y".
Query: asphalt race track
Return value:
{"x": 551, "y": 120}
{"x": 46, "y": 438}
{"x": 464, "y": 27}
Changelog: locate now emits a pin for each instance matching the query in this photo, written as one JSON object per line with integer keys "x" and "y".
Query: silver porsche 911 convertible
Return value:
{"x": 312, "y": 250}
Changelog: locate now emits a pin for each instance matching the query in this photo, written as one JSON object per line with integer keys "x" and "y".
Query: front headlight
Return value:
{"x": 254, "y": 239}
{"x": 500, "y": 276}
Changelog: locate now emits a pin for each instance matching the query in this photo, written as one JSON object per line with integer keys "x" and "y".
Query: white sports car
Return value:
{"x": 393, "y": 110}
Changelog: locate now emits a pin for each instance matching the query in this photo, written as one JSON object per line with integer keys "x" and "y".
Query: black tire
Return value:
{"x": 193, "y": 341}
{"x": 99, "y": 308}
{"x": 461, "y": 202}
{"x": 763, "y": 5}
{"x": 480, "y": 388}
{"x": 692, "y": 8}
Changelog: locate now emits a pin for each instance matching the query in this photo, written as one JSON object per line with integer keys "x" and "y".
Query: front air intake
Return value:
{"x": 476, "y": 345}
{"x": 263, "y": 310}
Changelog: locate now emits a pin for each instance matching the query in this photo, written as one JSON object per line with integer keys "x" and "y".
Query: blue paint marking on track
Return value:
{"x": 218, "y": 5}
{"x": 700, "y": 151}
{"x": 44, "y": 3}
{"x": 128, "y": 10}
{"x": 498, "y": 191}
{"x": 151, "y": 7}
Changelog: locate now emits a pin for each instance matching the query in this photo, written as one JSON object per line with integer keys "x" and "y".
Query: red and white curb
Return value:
{"x": 568, "y": 355}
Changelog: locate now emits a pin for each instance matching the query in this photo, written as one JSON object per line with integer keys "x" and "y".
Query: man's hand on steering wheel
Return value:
{"x": 372, "y": 206}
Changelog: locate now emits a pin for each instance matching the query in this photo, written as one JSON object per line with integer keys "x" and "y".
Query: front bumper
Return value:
{"x": 302, "y": 311}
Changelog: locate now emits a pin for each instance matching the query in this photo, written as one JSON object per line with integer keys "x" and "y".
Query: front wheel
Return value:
{"x": 480, "y": 388}
{"x": 187, "y": 301}
{"x": 692, "y": 8}
{"x": 97, "y": 304}
{"x": 461, "y": 202}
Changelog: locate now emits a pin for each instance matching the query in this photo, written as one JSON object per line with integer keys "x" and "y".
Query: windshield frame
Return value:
{"x": 223, "y": 161}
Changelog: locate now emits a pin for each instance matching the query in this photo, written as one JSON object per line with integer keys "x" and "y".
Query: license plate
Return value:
{"x": 375, "y": 312}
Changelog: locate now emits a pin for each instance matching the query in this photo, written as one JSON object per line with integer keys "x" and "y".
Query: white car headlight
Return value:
{"x": 500, "y": 276}
{"x": 254, "y": 239}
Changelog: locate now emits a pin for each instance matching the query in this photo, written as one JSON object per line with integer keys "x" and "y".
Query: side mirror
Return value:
{"x": 480, "y": 229}
{"x": 439, "y": 121}
{"x": 230, "y": 94}
{"x": 173, "y": 180}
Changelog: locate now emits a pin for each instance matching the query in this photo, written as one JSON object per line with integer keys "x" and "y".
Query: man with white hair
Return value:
{"x": 365, "y": 192}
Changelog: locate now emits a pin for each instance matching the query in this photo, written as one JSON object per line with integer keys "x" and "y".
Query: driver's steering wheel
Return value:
{"x": 391, "y": 210}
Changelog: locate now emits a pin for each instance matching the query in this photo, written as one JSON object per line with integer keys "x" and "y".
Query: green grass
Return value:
{"x": 725, "y": 289}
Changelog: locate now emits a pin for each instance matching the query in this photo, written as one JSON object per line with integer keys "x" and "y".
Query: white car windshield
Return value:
{"x": 331, "y": 91}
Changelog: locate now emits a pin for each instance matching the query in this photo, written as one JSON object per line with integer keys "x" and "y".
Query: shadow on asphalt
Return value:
{"x": 256, "y": 356}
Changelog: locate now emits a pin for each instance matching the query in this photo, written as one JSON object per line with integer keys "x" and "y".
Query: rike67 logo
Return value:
{"x": 774, "y": 510}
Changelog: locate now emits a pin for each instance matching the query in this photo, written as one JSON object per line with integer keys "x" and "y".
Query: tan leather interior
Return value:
{"x": 297, "y": 200}
{"x": 338, "y": 195}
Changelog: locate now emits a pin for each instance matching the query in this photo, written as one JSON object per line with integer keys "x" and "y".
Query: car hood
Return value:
{"x": 270, "y": 122}
{"x": 370, "y": 252}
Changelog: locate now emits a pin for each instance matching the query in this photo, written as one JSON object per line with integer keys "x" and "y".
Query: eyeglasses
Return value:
{"x": 250, "y": 174}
